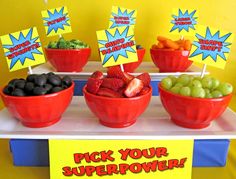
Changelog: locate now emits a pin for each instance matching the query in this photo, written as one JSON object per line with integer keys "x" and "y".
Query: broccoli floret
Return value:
{"x": 52, "y": 45}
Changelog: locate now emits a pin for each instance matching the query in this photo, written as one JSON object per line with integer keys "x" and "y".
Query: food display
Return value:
{"x": 36, "y": 85}
{"x": 166, "y": 43}
{"x": 187, "y": 85}
{"x": 67, "y": 44}
{"x": 171, "y": 56}
{"x": 119, "y": 98}
{"x": 118, "y": 84}
{"x": 38, "y": 100}
{"x": 68, "y": 55}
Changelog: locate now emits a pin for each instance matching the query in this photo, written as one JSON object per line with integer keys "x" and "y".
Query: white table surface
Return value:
{"x": 79, "y": 123}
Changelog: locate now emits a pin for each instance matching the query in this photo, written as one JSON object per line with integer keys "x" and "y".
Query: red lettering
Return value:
{"x": 135, "y": 153}
{"x": 124, "y": 153}
{"x": 89, "y": 170}
{"x": 93, "y": 157}
{"x": 123, "y": 168}
{"x": 112, "y": 168}
{"x": 162, "y": 165}
{"x": 150, "y": 166}
{"x": 78, "y": 157}
{"x": 81, "y": 169}
{"x": 135, "y": 168}
{"x": 182, "y": 161}
{"x": 161, "y": 151}
{"x": 107, "y": 156}
{"x": 173, "y": 163}
{"x": 67, "y": 171}
{"x": 100, "y": 170}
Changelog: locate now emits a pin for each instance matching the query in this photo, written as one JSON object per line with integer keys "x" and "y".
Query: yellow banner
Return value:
{"x": 117, "y": 46}
{"x": 56, "y": 21}
{"x": 122, "y": 17}
{"x": 121, "y": 159}
{"x": 184, "y": 21}
{"x": 22, "y": 49}
{"x": 211, "y": 46}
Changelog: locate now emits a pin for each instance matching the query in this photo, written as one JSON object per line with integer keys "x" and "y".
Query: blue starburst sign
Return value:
{"x": 183, "y": 21}
{"x": 122, "y": 17}
{"x": 56, "y": 21}
{"x": 22, "y": 49}
{"x": 117, "y": 46}
{"x": 211, "y": 46}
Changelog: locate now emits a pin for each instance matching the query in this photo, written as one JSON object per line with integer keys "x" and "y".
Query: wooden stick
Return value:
{"x": 203, "y": 70}
{"x": 122, "y": 67}
{"x": 30, "y": 70}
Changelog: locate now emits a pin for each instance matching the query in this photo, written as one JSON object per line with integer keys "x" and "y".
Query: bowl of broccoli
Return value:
{"x": 68, "y": 56}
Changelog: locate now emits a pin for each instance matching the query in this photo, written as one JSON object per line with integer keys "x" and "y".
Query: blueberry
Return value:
{"x": 18, "y": 92}
{"x": 48, "y": 87}
{"x": 20, "y": 84}
{"x": 39, "y": 91}
{"x": 40, "y": 80}
{"x": 66, "y": 80}
{"x": 54, "y": 80}
{"x": 8, "y": 89}
{"x": 29, "y": 86}
{"x": 30, "y": 78}
{"x": 56, "y": 89}
{"x": 12, "y": 82}
{"x": 139, "y": 47}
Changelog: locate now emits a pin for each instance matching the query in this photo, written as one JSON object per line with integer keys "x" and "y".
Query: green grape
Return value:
{"x": 206, "y": 82}
{"x": 207, "y": 91}
{"x": 179, "y": 85}
{"x": 173, "y": 79}
{"x": 184, "y": 79}
{"x": 215, "y": 83}
{"x": 225, "y": 88}
{"x": 185, "y": 91}
{"x": 198, "y": 92}
{"x": 196, "y": 83}
{"x": 166, "y": 83}
{"x": 197, "y": 78}
{"x": 216, "y": 94}
{"x": 175, "y": 89}
{"x": 208, "y": 95}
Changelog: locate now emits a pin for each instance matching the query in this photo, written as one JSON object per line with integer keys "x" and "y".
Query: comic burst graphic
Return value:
{"x": 213, "y": 54}
{"x": 189, "y": 21}
{"x": 20, "y": 40}
{"x": 124, "y": 14}
{"x": 121, "y": 52}
{"x": 59, "y": 20}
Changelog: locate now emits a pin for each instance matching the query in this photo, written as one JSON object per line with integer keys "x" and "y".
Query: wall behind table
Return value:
{"x": 88, "y": 16}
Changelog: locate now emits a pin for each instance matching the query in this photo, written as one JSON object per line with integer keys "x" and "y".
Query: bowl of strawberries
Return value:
{"x": 118, "y": 99}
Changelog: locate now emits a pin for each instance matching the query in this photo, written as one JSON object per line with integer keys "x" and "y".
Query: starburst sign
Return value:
{"x": 117, "y": 46}
{"x": 56, "y": 21}
{"x": 22, "y": 49}
{"x": 211, "y": 46}
{"x": 122, "y": 17}
{"x": 183, "y": 21}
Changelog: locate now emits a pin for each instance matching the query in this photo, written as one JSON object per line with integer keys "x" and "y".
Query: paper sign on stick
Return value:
{"x": 122, "y": 17}
{"x": 117, "y": 46}
{"x": 183, "y": 22}
{"x": 211, "y": 46}
{"x": 121, "y": 159}
{"x": 56, "y": 21}
{"x": 22, "y": 49}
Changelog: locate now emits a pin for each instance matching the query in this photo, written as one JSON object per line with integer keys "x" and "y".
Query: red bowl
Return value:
{"x": 171, "y": 60}
{"x": 117, "y": 112}
{"x": 130, "y": 67}
{"x": 68, "y": 60}
{"x": 194, "y": 113}
{"x": 39, "y": 111}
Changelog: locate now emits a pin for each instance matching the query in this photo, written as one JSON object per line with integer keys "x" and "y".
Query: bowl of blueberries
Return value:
{"x": 39, "y": 100}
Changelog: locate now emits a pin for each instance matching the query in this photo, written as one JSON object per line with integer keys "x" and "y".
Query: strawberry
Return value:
{"x": 144, "y": 91}
{"x": 127, "y": 77}
{"x": 115, "y": 72}
{"x": 112, "y": 83}
{"x": 145, "y": 78}
{"x": 93, "y": 85}
{"x": 134, "y": 87}
{"x": 108, "y": 93}
{"x": 121, "y": 91}
{"x": 97, "y": 75}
